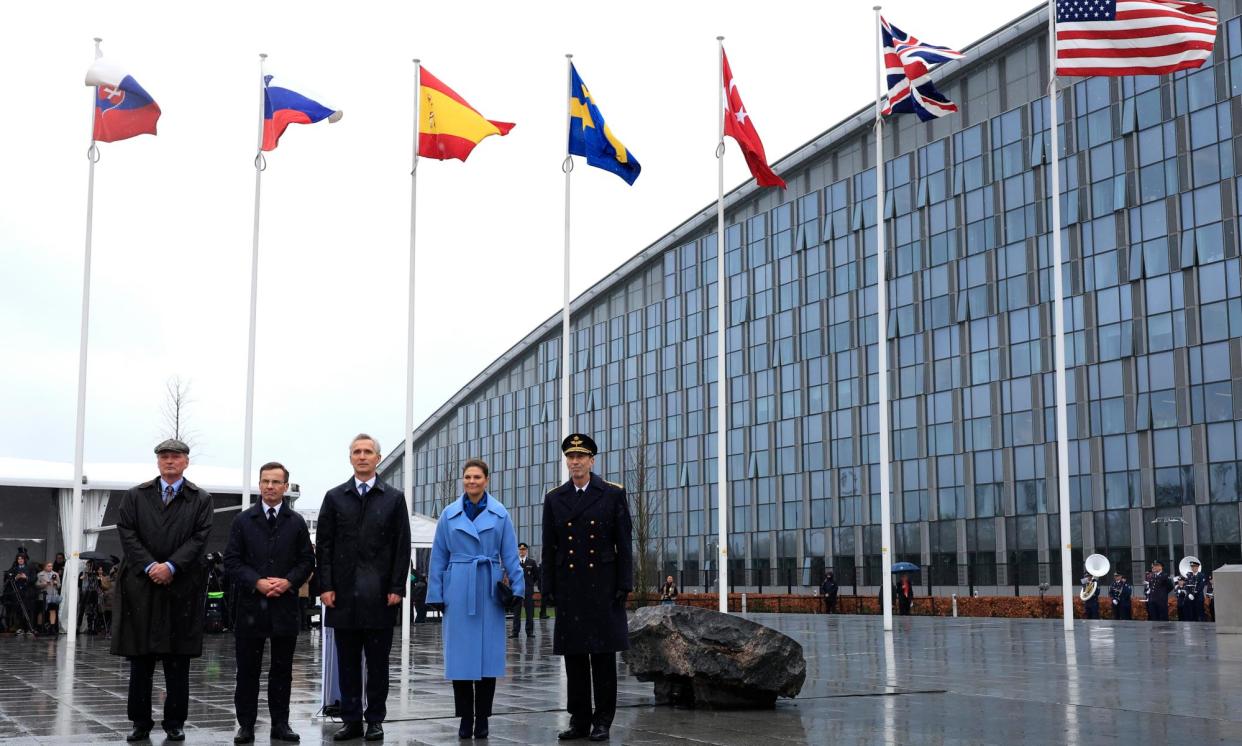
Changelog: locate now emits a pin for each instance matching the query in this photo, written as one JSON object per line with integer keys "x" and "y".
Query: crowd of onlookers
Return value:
{"x": 32, "y": 594}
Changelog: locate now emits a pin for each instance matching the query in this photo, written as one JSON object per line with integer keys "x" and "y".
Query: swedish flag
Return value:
{"x": 590, "y": 137}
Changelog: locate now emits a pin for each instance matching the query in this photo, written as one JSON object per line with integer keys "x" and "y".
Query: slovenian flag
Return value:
{"x": 283, "y": 107}
{"x": 122, "y": 108}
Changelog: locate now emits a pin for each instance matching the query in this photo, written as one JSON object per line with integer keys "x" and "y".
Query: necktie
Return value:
{"x": 271, "y": 518}
{"x": 362, "y": 489}
{"x": 168, "y": 494}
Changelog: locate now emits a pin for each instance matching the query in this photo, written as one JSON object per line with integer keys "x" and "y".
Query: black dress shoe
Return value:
{"x": 375, "y": 732}
{"x": 465, "y": 728}
{"x": 573, "y": 734}
{"x": 480, "y": 728}
{"x": 245, "y": 734}
{"x": 282, "y": 732}
{"x": 139, "y": 734}
{"x": 599, "y": 732}
{"x": 174, "y": 734}
{"x": 349, "y": 732}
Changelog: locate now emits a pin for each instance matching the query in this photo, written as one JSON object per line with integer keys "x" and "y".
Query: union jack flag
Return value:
{"x": 907, "y": 64}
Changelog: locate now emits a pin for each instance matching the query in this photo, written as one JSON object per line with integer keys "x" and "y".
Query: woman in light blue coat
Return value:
{"x": 475, "y": 546}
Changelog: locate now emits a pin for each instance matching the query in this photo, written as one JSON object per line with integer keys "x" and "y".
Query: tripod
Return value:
{"x": 21, "y": 602}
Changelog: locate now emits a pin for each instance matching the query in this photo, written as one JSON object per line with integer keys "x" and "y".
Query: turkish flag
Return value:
{"x": 739, "y": 126}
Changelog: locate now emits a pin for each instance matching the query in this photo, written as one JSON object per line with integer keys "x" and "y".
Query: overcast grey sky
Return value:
{"x": 170, "y": 284}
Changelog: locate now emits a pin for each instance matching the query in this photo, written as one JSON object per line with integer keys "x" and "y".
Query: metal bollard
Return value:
{"x": 954, "y": 605}
{"x": 743, "y": 603}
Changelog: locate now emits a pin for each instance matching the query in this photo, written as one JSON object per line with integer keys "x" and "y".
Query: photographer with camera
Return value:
{"x": 48, "y": 583}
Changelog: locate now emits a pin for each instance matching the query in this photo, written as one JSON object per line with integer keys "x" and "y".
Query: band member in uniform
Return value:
{"x": 1183, "y": 605}
{"x": 1120, "y": 591}
{"x": 588, "y": 573}
{"x": 530, "y": 577}
{"x": 1159, "y": 588}
{"x": 269, "y": 557}
{"x": 164, "y": 525}
{"x": 1091, "y": 604}
{"x": 1196, "y": 585}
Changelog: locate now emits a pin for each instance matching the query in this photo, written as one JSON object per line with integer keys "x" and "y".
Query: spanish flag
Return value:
{"x": 448, "y": 126}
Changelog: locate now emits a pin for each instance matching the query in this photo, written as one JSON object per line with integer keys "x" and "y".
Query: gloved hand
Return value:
{"x": 549, "y": 600}
{"x": 436, "y": 607}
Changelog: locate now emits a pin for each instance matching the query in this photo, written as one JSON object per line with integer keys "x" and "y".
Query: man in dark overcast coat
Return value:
{"x": 363, "y": 548}
{"x": 161, "y": 587}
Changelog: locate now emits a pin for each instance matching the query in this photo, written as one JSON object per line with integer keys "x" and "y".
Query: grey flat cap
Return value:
{"x": 174, "y": 445}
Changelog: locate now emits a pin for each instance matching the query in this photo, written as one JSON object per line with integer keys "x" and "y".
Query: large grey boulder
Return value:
{"x": 702, "y": 658}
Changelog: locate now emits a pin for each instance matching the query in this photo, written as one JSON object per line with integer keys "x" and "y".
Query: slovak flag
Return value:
{"x": 122, "y": 108}
{"x": 283, "y": 107}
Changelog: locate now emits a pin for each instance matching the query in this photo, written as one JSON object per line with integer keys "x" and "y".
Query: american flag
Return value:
{"x": 1132, "y": 37}
{"x": 907, "y": 62}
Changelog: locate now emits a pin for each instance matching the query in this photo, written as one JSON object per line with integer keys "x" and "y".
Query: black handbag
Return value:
{"x": 504, "y": 595}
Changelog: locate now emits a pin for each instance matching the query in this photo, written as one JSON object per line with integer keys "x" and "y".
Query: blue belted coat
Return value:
{"x": 467, "y": 560}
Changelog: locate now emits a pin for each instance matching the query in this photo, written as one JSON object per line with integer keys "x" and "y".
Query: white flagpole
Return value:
{"x": 70, "y": 581}
{"x": 722, "y": 302}
{"x": 407, "y": 470}
{"x": 567, "y": 166}
{"x": 881, "y": 352}
{"x": 1058, "y": 322}
{"x": 260, "y": 163}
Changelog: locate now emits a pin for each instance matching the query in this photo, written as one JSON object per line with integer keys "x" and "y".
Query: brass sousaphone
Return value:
{"x": 1097, "y": 567}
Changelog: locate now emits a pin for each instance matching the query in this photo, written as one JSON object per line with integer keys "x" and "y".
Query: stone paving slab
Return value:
{"x": 934, "y": 681}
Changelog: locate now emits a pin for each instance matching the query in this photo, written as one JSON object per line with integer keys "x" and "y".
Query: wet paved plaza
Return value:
{"x": 936, "y": 681}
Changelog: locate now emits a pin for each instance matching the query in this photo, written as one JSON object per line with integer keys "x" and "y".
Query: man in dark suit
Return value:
{"x": 1196, "y": 585}
{"x": 363, "y": 541}
{"x": 588, "y": 573}
{"x": 161, "y": 588}
{"x": 269, "y": 557}
{"x": 530, "y": 574}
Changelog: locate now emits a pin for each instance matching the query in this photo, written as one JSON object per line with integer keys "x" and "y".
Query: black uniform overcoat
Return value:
{"x": 587, "y": 558}
{"x": 255, "y": 551}
{"x": 363, "y": 548}
{"x": 153, "y": 619}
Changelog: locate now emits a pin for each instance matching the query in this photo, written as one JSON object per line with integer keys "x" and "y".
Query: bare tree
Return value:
{"x": 446, "y": 482}
{"x": 647, "y": 509}
{"x": 177, "y": 401}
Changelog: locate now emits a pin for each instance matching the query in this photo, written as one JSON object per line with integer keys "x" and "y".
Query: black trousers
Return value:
{"x": 1158, "y": 609}
{"x": 351, "y": 645}
{"x": 587, "y": 672}
{"x": 474, "y": 698}
{"x": 1091, "y": 607}
{"x": 543, "y": 607}
{"x": 279, "y": 679}
{"x": 528, "y": 604}
{"x": 830, "y": 603}
{"x": 1121, "y": 610}
{"x": 176, "y": 680}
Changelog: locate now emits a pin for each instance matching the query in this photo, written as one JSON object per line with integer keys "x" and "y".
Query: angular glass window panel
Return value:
{"x": 1223, "y": 482}
{"x": 1149, "y": 108}
{"x": 1220, "y": 437}
{"x": 1201, "y": 88}
{"x": 1210, "y": 243}
{"x": 1152, "y": 183}
{"x": 1205, "y": 166}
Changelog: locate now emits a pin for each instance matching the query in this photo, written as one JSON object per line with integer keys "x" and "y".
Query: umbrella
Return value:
{"x": 99, "y": 557}
{"x": 905, "y": 567}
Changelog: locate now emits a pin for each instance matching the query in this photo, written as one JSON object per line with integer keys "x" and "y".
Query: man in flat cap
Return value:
{"x": 161, "y": 587}
{"x": 587, "y": 575}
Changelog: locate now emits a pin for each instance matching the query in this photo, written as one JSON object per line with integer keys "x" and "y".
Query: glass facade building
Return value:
{"x": 1151, "y": 174}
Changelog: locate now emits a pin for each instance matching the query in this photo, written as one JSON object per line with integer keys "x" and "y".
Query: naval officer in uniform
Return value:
{"x": 587, "y": 575}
